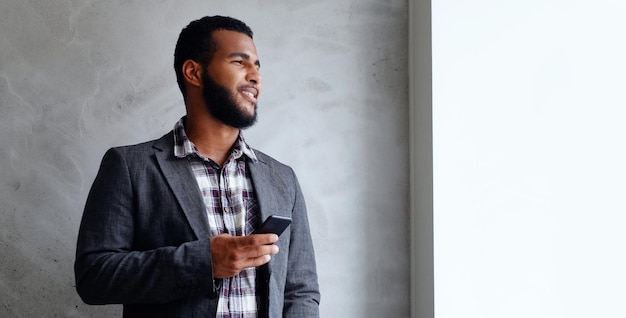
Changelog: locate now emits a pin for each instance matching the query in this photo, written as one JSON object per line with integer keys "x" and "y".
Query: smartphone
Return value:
{"x": 273, "y": 224}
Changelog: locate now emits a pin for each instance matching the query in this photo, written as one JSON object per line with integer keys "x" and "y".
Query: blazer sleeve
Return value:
{"x": 109, "y": 269}
{"x": 302, "y": 294}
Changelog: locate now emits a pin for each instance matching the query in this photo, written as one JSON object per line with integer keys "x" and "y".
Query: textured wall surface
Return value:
{"x": 77, "y": 77}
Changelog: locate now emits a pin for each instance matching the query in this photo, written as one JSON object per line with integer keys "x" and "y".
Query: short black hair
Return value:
{"x": 196, "y": 43}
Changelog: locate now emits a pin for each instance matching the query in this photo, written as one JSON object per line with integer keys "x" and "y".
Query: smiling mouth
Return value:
{"x": 250, "y": 91}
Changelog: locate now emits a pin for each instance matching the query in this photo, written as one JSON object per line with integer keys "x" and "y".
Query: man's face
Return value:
{"x": 232, "y": 83}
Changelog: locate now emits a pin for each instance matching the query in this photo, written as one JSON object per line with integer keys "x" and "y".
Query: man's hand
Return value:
{"x": 232, "y": 254}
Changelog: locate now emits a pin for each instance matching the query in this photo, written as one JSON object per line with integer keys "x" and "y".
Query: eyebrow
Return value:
{"x": 245, "y": 56}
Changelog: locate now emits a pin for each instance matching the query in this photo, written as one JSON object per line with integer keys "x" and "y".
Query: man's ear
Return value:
{"x": 192, "y": 72}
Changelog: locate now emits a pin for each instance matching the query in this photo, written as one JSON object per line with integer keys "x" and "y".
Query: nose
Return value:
{"x": 254, "y": 76}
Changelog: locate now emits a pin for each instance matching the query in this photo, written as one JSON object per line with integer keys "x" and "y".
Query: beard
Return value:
{"x": 221, "y": 104}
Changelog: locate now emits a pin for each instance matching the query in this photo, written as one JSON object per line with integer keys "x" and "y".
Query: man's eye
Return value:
{"x": 238, "y": 62}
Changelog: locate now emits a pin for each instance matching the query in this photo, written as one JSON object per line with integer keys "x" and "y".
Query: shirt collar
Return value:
{"x": 184, "y": 147}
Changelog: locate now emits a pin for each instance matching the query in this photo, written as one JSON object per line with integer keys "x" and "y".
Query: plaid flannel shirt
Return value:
{"x": 231, "y": 208}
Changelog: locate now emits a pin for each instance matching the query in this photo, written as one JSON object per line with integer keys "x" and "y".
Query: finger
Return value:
{"x": 262, "y": 239}
{"x": 258, "y": 251}
{"x": 268, "y": 249}
{"x": 251, "y": 262}
{"x": 256, "y": 262}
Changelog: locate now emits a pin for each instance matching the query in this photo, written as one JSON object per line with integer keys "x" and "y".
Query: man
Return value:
{"x": 167, "y": 226}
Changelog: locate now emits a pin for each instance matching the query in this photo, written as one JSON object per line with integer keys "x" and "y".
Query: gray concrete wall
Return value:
{"x": 77, "y": 77}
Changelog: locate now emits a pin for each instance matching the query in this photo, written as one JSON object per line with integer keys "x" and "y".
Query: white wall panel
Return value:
{"x": 529, "y": 174}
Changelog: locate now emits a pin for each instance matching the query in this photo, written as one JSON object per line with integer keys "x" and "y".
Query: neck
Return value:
{"x": 212, "y": 138}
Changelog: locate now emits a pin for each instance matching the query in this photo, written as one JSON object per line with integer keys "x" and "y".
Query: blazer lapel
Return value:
{"x": 264, "y": 189}
{"x": 179, "y": 176}
{"x": 259, "y": 172}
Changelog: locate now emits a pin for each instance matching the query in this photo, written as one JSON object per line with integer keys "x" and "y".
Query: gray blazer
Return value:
{"x": 144, "y": 238}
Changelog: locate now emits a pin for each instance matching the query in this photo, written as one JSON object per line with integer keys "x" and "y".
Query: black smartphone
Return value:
{"x": 273, "y": 224}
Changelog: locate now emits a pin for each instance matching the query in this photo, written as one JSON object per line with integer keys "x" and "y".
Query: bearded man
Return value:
{"x": 167, "y": 226}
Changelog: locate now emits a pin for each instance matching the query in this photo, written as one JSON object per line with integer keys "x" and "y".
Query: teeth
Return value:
{"x": 249, "y": 94}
